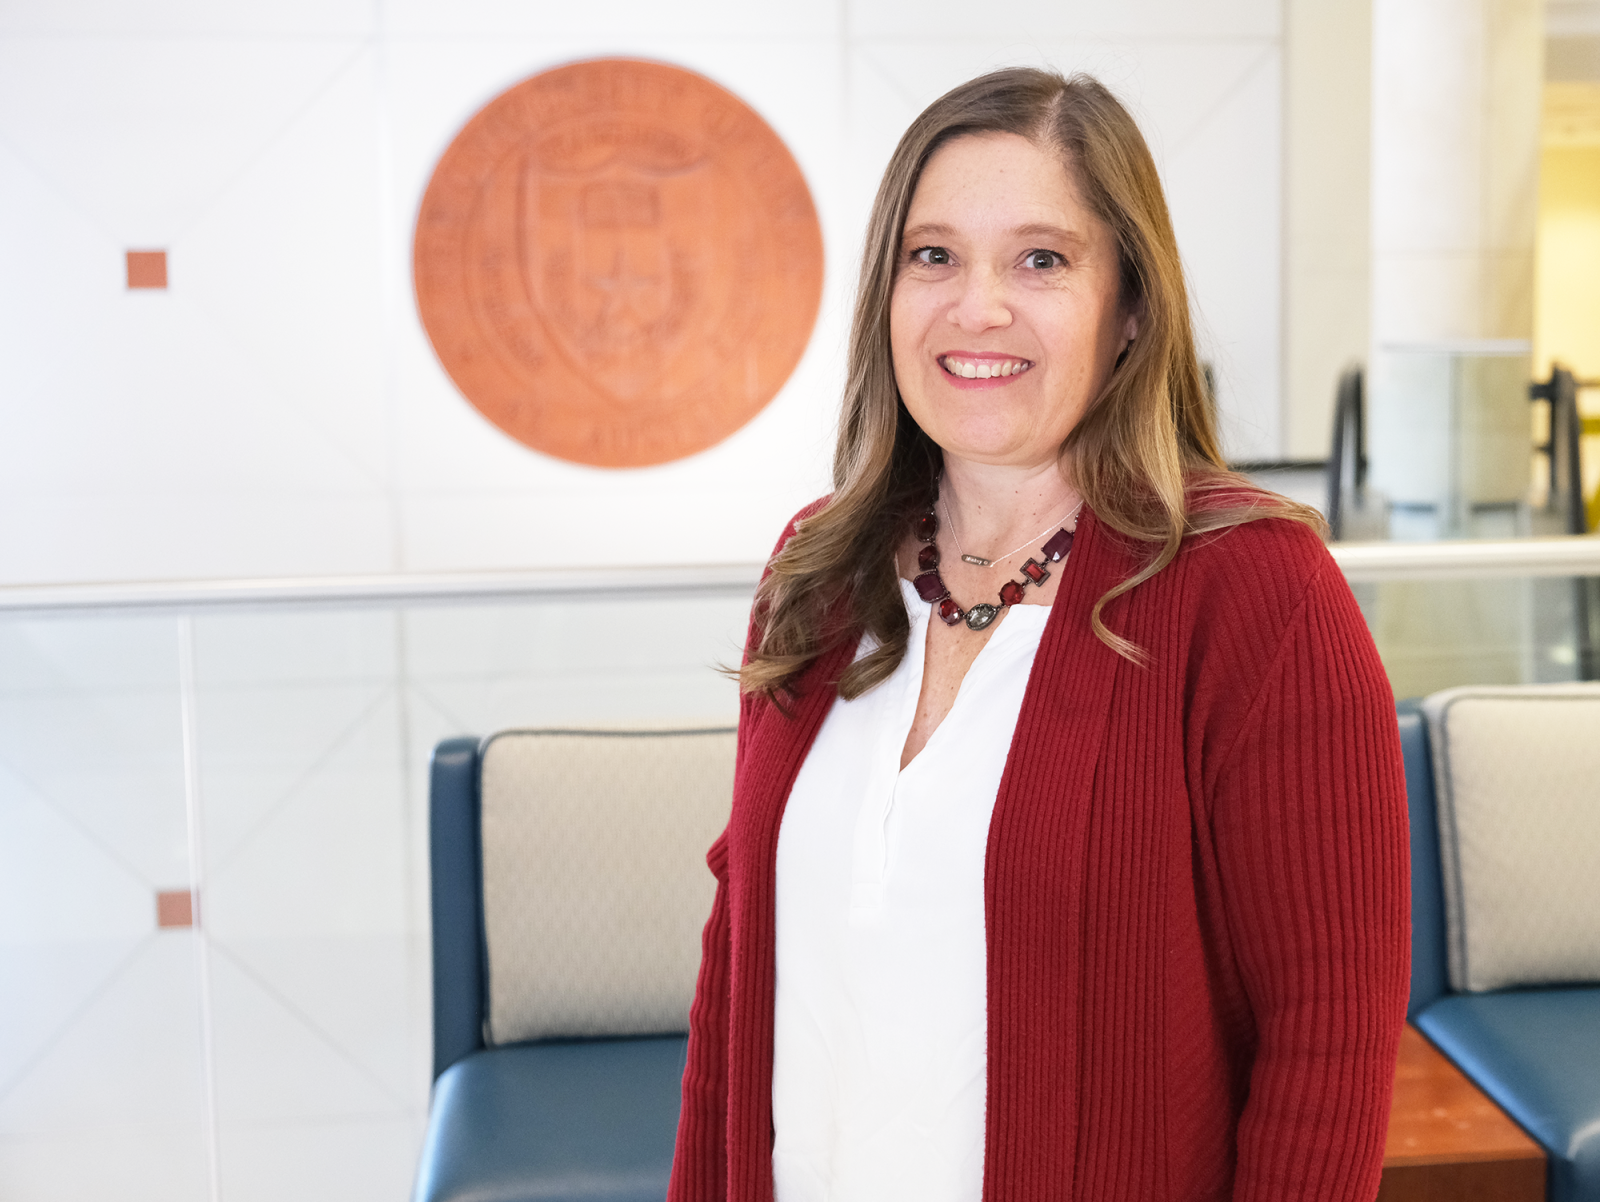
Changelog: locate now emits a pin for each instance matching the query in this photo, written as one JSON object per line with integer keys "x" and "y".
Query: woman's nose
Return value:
{"x": 981, "y": 304}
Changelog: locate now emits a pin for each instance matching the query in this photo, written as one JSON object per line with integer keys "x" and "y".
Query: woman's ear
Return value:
{"x": 1130, "y": 324}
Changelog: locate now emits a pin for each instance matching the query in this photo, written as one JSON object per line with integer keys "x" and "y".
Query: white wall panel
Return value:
{"x": 279, "y": 410}
{"x": 137, "y": 1039}
{"x": 1225, "y": 205}
{"x": 616, "y": 21}
{"x": 67, "y": 534}
{"x": 189, "y": 18}
{"x": 285, "y": 268}
{"x": 346, "y": 1161}
{"x": 1207, "y": 20}
{"x": 144, "y": 134}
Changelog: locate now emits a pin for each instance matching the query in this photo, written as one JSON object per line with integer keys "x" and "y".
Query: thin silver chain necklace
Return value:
{"x": 979, "y": 561}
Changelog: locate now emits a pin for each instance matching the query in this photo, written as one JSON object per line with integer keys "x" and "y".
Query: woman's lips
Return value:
{"x": 982, "y": 367}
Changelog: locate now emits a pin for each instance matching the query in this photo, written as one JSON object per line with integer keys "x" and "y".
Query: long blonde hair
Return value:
{"x": 1145, "y": 455}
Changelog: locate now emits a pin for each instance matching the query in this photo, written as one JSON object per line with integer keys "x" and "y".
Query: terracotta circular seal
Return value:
{"x": 618, "y": 262}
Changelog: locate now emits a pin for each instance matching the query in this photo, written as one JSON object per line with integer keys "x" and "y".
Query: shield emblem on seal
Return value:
{"x": 616, "y": 292}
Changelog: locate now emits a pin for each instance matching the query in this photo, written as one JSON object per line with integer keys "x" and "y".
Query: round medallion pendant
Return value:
{"x": 618, "y": 262}
{"x": 980, "y": 616}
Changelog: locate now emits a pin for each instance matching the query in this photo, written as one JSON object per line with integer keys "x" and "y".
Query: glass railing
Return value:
{"x": 265, "y": 744}
{"x": 1518, "y": 611}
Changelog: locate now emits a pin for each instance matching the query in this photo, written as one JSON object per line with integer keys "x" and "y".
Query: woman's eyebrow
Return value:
{"x": 1053, "y": 233}
{"x": 933, "y": 230}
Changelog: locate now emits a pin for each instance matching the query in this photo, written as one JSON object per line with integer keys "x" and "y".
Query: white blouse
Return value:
{"x": 880, "y": 1046}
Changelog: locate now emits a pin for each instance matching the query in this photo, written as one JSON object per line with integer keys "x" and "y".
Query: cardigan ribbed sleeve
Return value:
{"x": 1310, "y": 837}
{"x": 700, "y": 1172}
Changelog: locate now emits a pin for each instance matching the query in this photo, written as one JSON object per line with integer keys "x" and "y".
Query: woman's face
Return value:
{"x": 1005, "y": 321}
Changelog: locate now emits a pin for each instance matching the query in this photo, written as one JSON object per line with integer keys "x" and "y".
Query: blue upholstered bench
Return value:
{"x": 569, "y": 888}
{"x": 578, "y": 1097}
{"x": 1518, "y": 1014}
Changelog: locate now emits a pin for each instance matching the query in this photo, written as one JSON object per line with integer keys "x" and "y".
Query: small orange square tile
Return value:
{"x": 174, "y": 908}
{"x": 147, "y": 269}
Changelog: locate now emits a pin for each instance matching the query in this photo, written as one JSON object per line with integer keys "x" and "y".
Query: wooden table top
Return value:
{"x": 1440, "y": 1117}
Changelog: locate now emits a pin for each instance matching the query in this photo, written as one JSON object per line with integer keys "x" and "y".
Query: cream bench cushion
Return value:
{"x": 595, "y": 886}
{"x": 1517, "y": 782}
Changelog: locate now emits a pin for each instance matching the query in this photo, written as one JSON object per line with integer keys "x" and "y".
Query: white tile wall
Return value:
{"x": 189, "y": 18}
{"x": 1136, "y": 20}
{"x": 341, "y": 1160}
{"x": 279, "y": 410}
{"x": 137, "y": 1039}
{"x": 144, "y": 134}
{"x": 152, "y": 1162}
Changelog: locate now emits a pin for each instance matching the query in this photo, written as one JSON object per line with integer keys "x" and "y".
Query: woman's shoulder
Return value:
{"x": 1256, "y": 575}
{"x": 1285, "y": 545}
{"x": 1253, "y": 575}
{"x": 1238, "y": 524}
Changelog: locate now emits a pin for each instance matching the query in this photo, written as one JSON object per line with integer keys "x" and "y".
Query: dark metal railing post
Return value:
{"x": 1561, "y": 449}
{"x": 1565, "y": 499}
{"x": 1347, "y": 460}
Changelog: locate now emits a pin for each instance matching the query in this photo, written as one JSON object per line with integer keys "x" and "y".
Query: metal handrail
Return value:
{"x": 1467, "y": 559}
{"x": 1360, "y": 562}
{"x": 382, "y": 590}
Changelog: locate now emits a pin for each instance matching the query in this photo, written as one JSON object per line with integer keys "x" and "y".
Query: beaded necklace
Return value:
{"x": 979, "y": 561}
{"x": 931, "y": 587}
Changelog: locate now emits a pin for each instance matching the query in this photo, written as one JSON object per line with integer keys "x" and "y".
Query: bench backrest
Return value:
{"x": 1516, "y": 784}
{"x": 569, "y": 883}
{"x": 595, "y": 886}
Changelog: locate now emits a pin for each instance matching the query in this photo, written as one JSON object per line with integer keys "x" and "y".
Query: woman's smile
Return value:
{"x": 978, "y": 369}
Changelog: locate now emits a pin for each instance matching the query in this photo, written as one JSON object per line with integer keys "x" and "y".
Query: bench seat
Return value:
{"x": 555, "y": 1122}
{"x": 1536, "y": 1052}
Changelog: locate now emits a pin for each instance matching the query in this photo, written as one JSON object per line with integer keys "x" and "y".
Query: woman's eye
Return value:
{"x": 934, "y": 256}
{"x": 1043, "y": 260}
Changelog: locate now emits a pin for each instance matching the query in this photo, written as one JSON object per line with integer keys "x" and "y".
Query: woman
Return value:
{"x": 1078, "y": 869}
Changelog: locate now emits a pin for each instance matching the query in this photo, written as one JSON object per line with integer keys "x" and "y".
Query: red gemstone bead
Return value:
{"x": 1011, "y": 593}
{"x": 1035, "y": 571}
{"x": 950, "y": 612}
{"x": 928, "y": 558}
{"x": 926, "y": 527}
{"x": 1059, "y": 544}
{"x": 929, "y": 587}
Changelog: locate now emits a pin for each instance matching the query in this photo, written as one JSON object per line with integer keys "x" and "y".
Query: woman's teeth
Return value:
{"x": 983, "y": 369}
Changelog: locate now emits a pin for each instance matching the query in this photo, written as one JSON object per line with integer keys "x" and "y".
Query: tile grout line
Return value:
{"x": 328, "y": 1040}
{"x": 43, "y": 1048}
{"x": 75, "y": 823}
{"x": 1229, "y": 94}
{"x": 197, "y": 876}
{"x": 270, "y": 141}
{"x": 327, "y": 753}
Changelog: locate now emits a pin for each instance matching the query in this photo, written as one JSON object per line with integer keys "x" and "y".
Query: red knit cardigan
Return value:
{"x": 1196, "y": 897}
